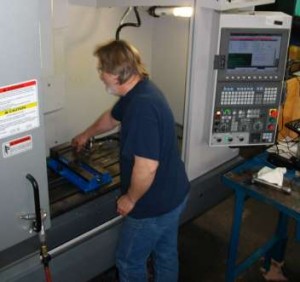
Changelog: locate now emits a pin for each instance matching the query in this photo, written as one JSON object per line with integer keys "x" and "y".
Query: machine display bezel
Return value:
{"x": 275, "y": 71}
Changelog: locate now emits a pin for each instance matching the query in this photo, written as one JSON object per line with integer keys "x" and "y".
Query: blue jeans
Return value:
{"x": 140, "y": 238}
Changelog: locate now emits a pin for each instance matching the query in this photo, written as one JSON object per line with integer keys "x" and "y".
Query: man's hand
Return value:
{"x": 142, "y": 176}
{"x": 125, "y": 205}
{"x": 103, "y": 124}
{"x": 79, "y": 141}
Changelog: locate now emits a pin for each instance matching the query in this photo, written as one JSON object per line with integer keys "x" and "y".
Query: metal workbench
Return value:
{"x": 288, "y": 205}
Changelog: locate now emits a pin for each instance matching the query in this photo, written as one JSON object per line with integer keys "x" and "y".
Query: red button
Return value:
{"x": 273, "y": 113}
{"x": 271, "y": 126}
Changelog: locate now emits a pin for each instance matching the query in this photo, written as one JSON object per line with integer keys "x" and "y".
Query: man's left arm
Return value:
{"x": 143, "y": 174}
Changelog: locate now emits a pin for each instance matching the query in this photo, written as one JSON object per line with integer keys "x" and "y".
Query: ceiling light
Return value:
{"x": 157, "y": 11}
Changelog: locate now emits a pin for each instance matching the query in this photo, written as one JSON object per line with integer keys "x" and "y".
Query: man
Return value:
{"x": 154, "y": 184}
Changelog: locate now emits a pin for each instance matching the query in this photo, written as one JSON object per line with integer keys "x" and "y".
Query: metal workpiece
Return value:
{"x": 282, "y": 188}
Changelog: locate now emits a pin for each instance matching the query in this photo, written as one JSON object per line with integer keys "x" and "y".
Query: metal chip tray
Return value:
{"x": 87, "y": 169}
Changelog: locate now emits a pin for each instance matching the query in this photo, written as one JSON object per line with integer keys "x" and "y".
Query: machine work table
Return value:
{"x": 288, "y": 205}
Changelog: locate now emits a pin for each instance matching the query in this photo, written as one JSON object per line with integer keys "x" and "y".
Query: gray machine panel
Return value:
{"x": 250, "y": 70}
{"x": 22, "y": 149}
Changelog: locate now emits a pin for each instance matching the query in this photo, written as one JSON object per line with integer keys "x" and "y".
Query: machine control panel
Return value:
{"x": 245, "y": 114}
{"x": 250, "y": 70}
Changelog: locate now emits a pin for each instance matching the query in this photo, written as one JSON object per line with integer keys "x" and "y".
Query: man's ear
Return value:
{"x": 117, "y": 79}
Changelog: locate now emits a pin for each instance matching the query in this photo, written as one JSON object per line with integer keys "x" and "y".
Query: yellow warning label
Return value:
{"x": 18, "y": 109}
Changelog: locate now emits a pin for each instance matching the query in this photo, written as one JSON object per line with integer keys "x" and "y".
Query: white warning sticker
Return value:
{"x": 19, "y": 110}
{"x": 17, "y": 146}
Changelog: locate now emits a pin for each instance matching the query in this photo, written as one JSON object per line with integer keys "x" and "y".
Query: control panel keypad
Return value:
{"x": 237, "y": 96}
{"x": 248, "y": 95}
{"x": 270, "y": 95}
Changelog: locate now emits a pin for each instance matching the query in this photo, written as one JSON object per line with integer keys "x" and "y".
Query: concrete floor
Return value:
{"x": 203, "y": 244}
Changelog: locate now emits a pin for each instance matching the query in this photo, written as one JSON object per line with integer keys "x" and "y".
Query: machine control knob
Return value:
{"x": 224, "y": 127}
{"x": 258, "y": 126}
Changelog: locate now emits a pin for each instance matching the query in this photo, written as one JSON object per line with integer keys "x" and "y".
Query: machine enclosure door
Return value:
{"x": 22, "y": 148}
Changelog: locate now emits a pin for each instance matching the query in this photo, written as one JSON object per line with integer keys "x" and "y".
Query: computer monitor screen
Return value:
{"x": 253, "y": 52}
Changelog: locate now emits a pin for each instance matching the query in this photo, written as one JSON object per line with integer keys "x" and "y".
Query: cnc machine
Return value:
{"x": 50, "y": 91}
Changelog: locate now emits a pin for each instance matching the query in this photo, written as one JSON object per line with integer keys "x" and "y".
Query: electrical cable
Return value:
{"x": 122, "y": 25}
{"x": 125, "y": 15}
{"x": 48, "y": 277}
{"x": 44, "y": 254}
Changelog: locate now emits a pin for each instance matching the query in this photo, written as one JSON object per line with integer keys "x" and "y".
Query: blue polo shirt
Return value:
{"x": 148, "y": 130}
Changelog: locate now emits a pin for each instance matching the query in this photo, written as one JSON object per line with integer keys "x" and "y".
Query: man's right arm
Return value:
{"x": 103, "y": 124}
